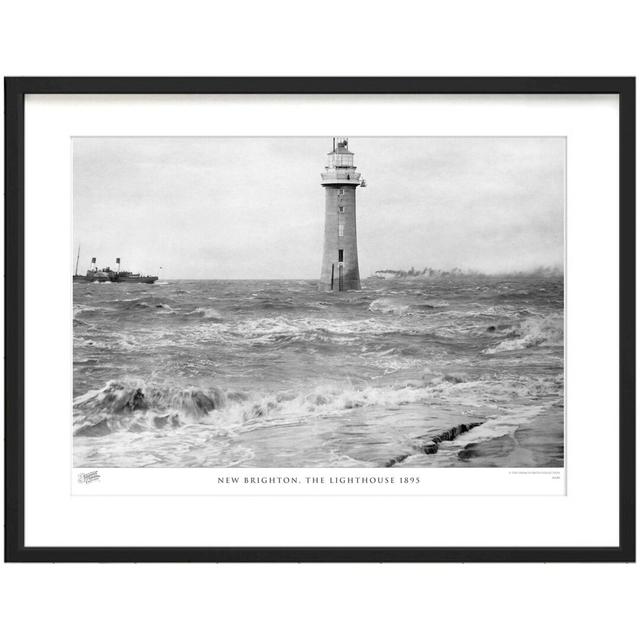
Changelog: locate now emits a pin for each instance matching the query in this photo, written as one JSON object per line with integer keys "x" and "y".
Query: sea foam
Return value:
{"x": 541, "y": 331}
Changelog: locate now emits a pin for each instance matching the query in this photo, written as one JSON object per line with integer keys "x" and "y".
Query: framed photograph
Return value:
{"x": 320, "y": 319}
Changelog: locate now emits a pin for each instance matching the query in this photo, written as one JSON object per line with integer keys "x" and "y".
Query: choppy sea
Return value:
{"x": 213, "y": 373}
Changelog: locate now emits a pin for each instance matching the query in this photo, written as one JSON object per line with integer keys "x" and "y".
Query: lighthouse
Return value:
{"x": 340, "y": 256}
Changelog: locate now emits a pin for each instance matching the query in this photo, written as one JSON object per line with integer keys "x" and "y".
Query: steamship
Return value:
{"x": 107, "y": 274}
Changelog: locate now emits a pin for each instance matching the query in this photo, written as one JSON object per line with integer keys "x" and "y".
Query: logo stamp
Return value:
{"x": 88, "y": 477}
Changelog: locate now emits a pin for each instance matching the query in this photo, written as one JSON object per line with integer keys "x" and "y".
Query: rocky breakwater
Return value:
{"x": 430, "y": 443}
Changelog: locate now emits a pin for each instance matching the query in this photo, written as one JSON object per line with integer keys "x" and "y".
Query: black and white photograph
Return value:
{"x": 324, "y": 315}
{"x": 318, "y": 302}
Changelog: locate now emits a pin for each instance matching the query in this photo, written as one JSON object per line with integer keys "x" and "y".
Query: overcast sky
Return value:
{"x": 254, "y": 207}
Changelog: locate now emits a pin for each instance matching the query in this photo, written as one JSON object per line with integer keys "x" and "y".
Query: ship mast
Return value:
{"x": 77, "y": 259}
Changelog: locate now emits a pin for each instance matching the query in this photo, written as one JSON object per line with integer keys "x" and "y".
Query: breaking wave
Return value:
{"x": 388, "y": 305}
{"x": 135, "y": 406}
{"x": 211, "y": 373}
{"x": 540, "y": 331}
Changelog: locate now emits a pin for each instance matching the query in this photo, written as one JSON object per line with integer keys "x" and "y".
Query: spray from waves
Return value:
{"x": 540, "y": 331}
{"x": 454, "y": 441}
{"x": 499, "y": 426}
{"x": 388, "y": 305}
{"x": 136, "y": 406}
{"x": 303, "y": 367}
{"x": 133, "y": 405}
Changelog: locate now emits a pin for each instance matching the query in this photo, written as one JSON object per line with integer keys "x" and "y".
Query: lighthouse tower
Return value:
{"x": 340, "y": 257}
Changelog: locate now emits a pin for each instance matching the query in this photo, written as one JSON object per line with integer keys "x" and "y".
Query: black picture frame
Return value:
{"x": 15, "y": 91}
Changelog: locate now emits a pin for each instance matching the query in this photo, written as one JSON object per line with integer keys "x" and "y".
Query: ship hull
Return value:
{"x": 88, "y": 279}
{"x": 141, "y": 280}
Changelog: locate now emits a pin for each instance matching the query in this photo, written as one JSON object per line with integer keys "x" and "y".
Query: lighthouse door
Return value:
{"x": 340, "y": 277}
